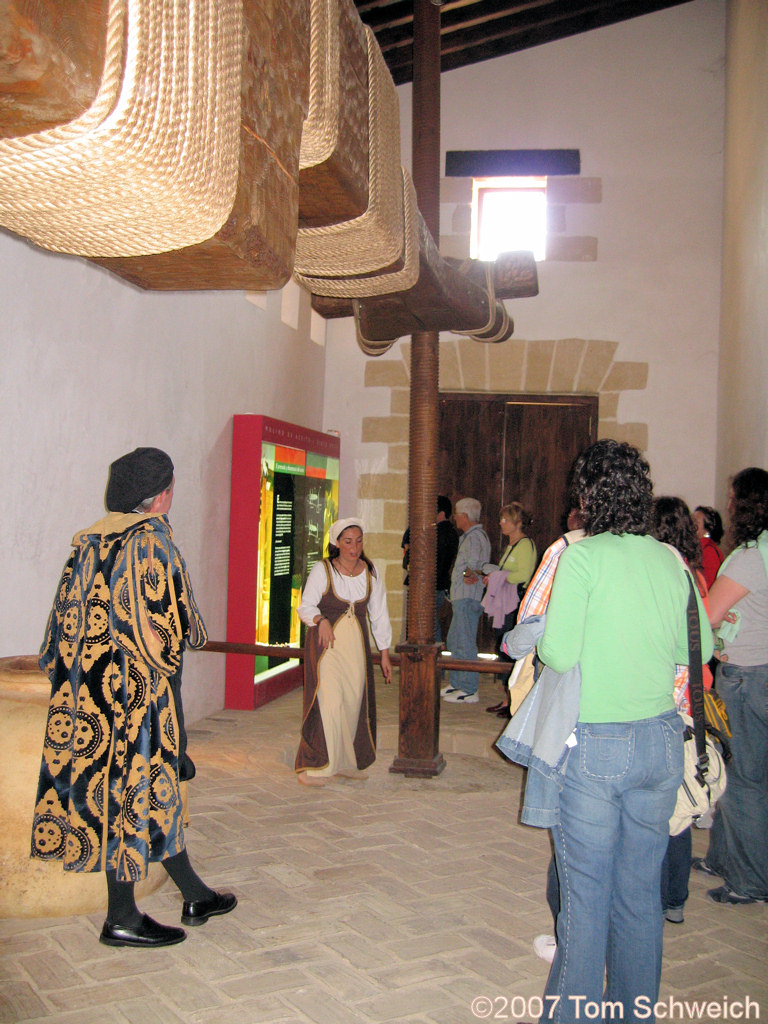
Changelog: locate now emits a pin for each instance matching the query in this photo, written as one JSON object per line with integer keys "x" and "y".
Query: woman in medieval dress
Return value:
{"x": 342, "y": 594}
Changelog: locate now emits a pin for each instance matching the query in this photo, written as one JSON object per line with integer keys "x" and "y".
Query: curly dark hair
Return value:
{"x": 713, "y": 524}
{"x": 612, "y": 486}
{"x": 749, "y": 508}
{"x": 672, "y": 523}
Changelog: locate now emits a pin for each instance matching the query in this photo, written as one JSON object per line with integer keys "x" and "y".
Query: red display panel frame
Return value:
{"x": 251, "y": 435}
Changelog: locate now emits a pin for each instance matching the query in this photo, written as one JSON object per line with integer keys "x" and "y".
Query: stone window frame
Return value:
{"x": 563, "y": 193}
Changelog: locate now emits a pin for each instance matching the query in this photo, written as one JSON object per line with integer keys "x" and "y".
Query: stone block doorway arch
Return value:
{"x": 567, "y": 366}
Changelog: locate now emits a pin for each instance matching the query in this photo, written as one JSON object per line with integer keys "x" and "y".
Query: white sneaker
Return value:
{"x": 448, "y": 689}
{"x": 544, "y": 946}
{"x": 460, "y": 697}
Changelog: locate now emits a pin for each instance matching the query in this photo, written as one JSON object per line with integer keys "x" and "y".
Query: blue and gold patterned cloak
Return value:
{"x": 108, "y": 795}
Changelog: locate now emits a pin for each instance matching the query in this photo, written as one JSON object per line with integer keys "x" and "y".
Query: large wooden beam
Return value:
{"x": 513, "y": 274}
{"x": 448, "y": 284}
{"x": 442, "y": 299}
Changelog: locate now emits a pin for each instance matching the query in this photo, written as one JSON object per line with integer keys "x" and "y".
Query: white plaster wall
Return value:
{"x": 93, "y": 367}
{"x": 347, "y": 401}
{"x": 643, "y": 101}
{"x": 743, "y": 429}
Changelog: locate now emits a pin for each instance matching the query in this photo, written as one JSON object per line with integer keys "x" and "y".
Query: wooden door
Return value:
{"x": 542, "y": 438}
{"x": 471, "y": 453}
{"x": 502, "y": 448}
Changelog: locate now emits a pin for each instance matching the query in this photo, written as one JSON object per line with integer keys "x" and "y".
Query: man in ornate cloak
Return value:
{"x": 114, "y": 752}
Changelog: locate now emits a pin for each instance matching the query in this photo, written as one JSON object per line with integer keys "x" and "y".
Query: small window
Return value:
{"x": 508, "y": 215}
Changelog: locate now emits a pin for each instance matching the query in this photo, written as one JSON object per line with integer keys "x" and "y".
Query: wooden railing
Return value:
{"x": 447, "y": 663}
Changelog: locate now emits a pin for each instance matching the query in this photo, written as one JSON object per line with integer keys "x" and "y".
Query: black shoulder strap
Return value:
{"x": 695, "y": 680}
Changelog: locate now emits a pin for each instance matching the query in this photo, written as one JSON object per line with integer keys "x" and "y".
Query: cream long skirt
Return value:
{"x": 341, "y": 673}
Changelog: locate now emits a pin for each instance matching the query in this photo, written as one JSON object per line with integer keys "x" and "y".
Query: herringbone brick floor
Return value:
{"x": 391, "y": 899}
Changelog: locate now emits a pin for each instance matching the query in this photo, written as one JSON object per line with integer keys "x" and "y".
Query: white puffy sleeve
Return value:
{"x": 314, "y": 588}
{"x": 379, "y": 614}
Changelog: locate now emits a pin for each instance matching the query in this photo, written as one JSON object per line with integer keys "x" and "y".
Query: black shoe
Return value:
{"x": 496, "y": 708}
{"x": 199, "y": 911}
{"x": 725, "y": 895}
{"x": 504, "y": 712}
{"x": 147, "y": 934}
{"x": 700, "y": 864}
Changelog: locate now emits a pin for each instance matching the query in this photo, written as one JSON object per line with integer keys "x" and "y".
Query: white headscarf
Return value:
{"x": 340, "y": 526}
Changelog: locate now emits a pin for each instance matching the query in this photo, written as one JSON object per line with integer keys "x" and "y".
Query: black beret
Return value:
{"x": 139, "y": 475}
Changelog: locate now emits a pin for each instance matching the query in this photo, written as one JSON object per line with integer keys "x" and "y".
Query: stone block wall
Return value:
{"x": 562, "y": 366}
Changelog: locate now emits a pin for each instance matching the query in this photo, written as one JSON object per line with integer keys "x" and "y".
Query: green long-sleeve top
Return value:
{"x": 618, "y": 610}
{"x": 519, "y": 561}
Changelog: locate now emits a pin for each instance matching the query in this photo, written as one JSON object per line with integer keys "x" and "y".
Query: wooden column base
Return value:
{"x": 418, "y": 753}
{"x": 415, "y": 768}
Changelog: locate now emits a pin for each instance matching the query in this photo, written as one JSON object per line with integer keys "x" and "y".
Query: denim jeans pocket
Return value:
{"x": 605, "y": 750}
{"x": 728, "y": 679}
{"x": 745, "y": 684}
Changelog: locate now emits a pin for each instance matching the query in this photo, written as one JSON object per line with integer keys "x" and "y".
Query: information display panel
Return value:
{"x": 284, "y": 497}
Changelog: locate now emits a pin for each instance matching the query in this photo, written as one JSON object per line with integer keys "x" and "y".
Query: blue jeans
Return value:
{"x": 675, "y": 874}
{"x": 618, "y": 795}
{"x": 738, "y": 848}
{"x": 462, "y": 641}
{"x": 676, "y": 870}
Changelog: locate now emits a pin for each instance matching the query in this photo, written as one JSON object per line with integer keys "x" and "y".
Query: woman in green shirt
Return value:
{"x": 516, "y": 566}
{"x": 618, "y": 610}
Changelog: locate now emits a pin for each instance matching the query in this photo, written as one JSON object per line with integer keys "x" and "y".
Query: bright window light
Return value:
{"x": 508, "y": 215}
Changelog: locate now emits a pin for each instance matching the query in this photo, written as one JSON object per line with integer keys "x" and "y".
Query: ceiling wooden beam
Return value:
{"x": 477, "y": 30}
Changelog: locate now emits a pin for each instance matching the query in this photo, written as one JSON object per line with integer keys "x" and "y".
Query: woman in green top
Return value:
{"x": 517, "y": 564}
{"x": 618, "y": 610}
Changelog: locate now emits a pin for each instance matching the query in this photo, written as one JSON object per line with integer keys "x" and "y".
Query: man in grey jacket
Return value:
{"x": 466, "y": 595}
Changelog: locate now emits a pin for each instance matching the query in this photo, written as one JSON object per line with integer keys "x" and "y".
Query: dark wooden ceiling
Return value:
{"x": 476, "y": 30}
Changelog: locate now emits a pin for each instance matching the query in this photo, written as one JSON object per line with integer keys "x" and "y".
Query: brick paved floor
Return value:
{"x": 391, "y": 899}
